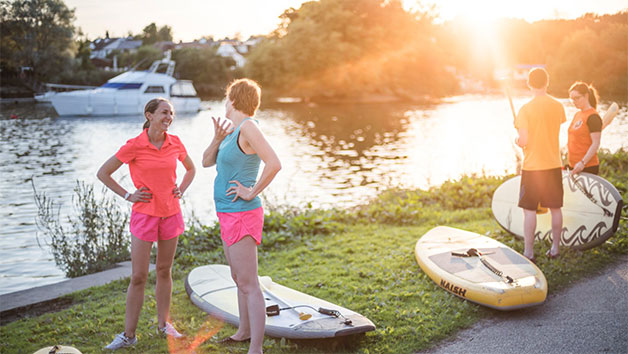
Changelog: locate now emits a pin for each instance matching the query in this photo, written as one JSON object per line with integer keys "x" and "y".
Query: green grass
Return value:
{"x": 362, "y": 259}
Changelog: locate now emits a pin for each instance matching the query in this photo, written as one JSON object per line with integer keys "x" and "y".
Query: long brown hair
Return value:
{"x": 583, "y": 89}
{"x": 151, "y": 107}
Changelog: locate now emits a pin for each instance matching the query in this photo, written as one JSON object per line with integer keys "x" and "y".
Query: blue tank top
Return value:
{"x": 233, "y": 164}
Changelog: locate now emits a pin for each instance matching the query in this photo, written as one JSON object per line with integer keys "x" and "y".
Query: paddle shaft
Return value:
{"x": 512, "y": 106}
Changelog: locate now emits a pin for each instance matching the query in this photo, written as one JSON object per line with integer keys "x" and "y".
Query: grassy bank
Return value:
{"x": 361, "y": 258}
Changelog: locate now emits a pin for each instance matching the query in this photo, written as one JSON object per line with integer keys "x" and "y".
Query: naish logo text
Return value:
{"x": 454, "y": 289}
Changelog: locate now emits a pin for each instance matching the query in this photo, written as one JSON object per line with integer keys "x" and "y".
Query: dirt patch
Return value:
{"x": 35, "y": 310}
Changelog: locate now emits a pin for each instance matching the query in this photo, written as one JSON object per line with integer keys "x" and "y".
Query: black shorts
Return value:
{"x": 542, "y": 186}
{"x": 594, "y": 170}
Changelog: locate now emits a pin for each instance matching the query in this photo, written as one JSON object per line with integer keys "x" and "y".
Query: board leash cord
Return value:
{"x": 588, "y": 194}
{"x": 274, "y": 310}
{"x": 472, "y": 252}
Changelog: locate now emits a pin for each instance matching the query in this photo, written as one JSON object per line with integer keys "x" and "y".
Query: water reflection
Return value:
{"x": 332, "y": 155}
{"x": 343, "y": 135}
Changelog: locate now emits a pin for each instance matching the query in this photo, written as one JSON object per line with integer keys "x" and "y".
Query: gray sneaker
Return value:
{"x": 121, "y": 341}
{"x": 169, "y": 331}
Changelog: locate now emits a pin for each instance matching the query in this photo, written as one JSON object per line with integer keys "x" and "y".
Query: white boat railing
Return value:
{"x": 165, "y": 61}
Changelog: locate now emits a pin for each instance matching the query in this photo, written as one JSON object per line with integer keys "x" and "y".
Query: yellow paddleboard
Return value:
{"x": 493, "y": 275}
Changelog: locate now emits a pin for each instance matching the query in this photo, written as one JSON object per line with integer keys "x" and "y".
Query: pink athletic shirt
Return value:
{"x": 155, "y": 169}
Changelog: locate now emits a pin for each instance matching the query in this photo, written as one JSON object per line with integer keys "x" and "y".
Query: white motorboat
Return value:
{"x": 128, "y": 93}
{"x": 53, "y": 89}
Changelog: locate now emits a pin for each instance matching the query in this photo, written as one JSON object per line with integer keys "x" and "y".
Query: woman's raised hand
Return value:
{"x": 221, "y": 128}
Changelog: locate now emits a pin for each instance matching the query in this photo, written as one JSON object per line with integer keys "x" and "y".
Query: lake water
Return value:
{"x": 332, "y": 155}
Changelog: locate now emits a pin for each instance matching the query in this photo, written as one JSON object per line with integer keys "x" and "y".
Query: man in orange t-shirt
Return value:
{"x": 538, "y": 124}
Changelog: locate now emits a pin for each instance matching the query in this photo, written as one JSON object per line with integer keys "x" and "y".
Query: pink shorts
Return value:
{"x": 153, "y": 228}
{"x": 235, "y": 226}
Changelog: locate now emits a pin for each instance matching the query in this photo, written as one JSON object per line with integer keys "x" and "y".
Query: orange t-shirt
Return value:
{"x": 542, "y": 117}
{"x": 579, "y": 138}
{"x": 155, "y": 169}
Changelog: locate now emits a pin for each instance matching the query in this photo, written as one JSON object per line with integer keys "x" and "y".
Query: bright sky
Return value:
{"x": 193, "y": 19}
{"x": 529, "y": 10}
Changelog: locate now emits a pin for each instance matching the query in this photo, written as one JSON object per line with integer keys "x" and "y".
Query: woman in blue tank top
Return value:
{"x": 237, "y": 148}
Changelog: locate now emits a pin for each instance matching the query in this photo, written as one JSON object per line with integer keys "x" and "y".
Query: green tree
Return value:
{"x": 591, "y": 48}
{"x": 351, "y": 48}
{"x": 140, "y": 59}
{"x": 151, "y": 34}
{"x": 36, "y": 34}
{"x": 164, "y": 33}
{"x": 84, "y": 52}
{"x": 600, "y": 58}
{"x": 209, "y": 71}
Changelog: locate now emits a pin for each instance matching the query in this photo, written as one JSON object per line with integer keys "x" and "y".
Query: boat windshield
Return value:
{"x": 123, "y": 85}
{"x": 182, "y": 89}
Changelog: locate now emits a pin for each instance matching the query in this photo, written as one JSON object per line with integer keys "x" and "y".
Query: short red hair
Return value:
{"x": 245, "y": 94}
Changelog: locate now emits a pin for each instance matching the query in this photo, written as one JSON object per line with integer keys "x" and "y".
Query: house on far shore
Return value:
{"x": 228, "y": 49}
{"x": 246, "y": 46}
{"x": 237, "y": 49}
{"x": 199, "y": 43}
{"x": 232, "y": 48}
{"x": 102, "y": 47}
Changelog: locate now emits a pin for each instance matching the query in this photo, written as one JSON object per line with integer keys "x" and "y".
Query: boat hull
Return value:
{"x": 102, "y": 104}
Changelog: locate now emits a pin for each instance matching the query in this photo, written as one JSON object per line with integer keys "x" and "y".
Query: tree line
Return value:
{"x": 370, "y": 47}
{"x": 592, "y": 48}
{"x": 39, "y": 43}
{"x": 327, "y": 49}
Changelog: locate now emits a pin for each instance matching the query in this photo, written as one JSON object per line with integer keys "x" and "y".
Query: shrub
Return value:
{"x": 414, "y": 207}
{"x": 97, "y": 238}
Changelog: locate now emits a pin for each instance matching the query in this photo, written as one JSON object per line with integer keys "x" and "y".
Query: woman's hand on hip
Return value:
{"x": 142, "y": 195}
{"x": 221, "y": 128}
{"x": 177, "y": 192}
{"x": 240, "y": 191}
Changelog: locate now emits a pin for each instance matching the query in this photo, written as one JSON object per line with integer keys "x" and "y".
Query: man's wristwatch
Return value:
{"x": 127, "y": 195}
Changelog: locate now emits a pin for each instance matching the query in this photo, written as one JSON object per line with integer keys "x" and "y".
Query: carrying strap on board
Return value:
{"x": 472, "y": 252}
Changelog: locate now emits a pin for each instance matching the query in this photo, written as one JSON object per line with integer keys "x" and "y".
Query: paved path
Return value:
{"x": 589, "y": 317}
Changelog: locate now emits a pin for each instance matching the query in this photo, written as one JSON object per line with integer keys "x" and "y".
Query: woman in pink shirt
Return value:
{"x": 156, "y": 217}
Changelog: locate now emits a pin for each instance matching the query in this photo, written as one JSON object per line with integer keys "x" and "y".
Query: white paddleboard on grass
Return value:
{"x": 591, "y": 211}
{"x": 211, "y": 288}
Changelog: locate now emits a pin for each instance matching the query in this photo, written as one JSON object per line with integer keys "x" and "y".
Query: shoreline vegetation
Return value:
{"x": 361, "y": 258}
